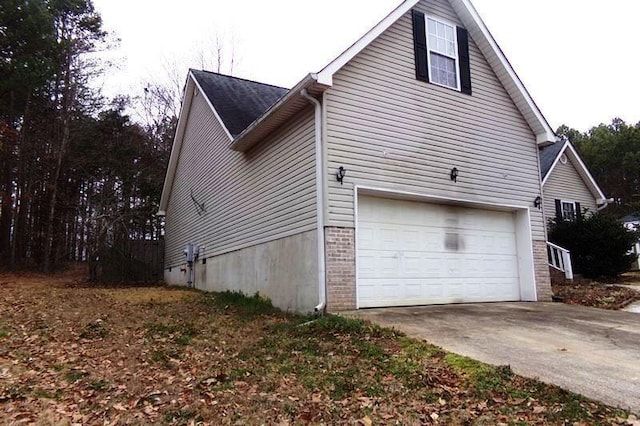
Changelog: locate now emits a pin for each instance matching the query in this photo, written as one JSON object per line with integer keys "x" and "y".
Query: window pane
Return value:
{"x": 433, "y": 41}
{"x": 432, "y": 26}
{"x": 441, "y": 46}
{"x": 451, "y": 49}
{"x": 451, "y": 80}
{"x": 443, "y": 70}
{"x": 449, "y": 33}
{"x": 441, "y": 30}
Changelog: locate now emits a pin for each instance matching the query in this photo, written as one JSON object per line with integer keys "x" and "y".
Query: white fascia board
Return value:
{"x": 177, "y": 145}
{"x": 195, "y": 80}
{"x": 190, "y": 86}
{"x": 326, "y": 75}
{"x": 502, "y": 68}
{"x": 591, "y": 182}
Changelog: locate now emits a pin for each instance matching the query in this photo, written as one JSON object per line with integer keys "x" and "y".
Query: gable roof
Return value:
{"x": 487, "y": 45}
{"x": 238, "y": 102}
{"x": 292, "y": 102}
{"x": 479, "y": 34}
{"x": 550, "y": 157}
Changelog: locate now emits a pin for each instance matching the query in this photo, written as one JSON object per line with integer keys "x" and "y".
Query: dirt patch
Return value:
{"x": 75, "y": 354}
{"x": 604, "y": 296}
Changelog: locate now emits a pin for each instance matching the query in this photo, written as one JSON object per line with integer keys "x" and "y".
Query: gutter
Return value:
{"x": 322, "y": 284}
{"x": 605, "y": 203}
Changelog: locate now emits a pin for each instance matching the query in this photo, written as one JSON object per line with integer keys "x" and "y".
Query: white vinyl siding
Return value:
{"x": 250, "y": 198}
{"x": 392, "y": 131}
{"x": 564, "y": 183}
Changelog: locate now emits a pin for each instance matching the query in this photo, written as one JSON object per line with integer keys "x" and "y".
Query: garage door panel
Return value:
{"x": 483, "y": 242}
{"x": 422, "y": 265}
{"x": 399, "y": 237}
{"x": 412, "y": 237}
{"x": 413, "y": 253}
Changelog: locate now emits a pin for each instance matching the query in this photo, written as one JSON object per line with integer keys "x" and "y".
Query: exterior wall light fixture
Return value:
{"x": 454, "y": 174}
{"x": 340, "y": 175}
{"x": 538, "y": 202}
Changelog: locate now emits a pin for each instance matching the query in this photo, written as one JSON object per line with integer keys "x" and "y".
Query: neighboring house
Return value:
{"x": 567, "y": 185}
{"x": 569, "y": 191}
{"x": 403, "y": 173}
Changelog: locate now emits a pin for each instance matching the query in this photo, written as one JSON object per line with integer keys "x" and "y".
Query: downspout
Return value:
{"x": 322, "y": 287}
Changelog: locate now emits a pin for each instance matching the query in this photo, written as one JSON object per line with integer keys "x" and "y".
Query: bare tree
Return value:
{"x": 218, "y": 54}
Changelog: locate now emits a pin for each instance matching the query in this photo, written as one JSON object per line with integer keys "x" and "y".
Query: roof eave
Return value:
{"x": 285, "y": 108}
{"x": 504, "y": 71}
{"x": 584, "y": 172}
{"x": 325, "y": 76}
{"x": 177, "y": 145}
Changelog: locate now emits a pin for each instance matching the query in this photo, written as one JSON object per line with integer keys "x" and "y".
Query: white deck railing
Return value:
{"x": 560, "y": 259}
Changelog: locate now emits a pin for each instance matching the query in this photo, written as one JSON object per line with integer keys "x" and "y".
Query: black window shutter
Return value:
{"x": 420, "y": 46}
{"x": 463, "y": 59}
{"x": 559, "y": 211}
{"x": 578, "y": 211}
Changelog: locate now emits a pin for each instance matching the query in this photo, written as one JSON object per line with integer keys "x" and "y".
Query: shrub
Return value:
{"x": 599, "y": 244}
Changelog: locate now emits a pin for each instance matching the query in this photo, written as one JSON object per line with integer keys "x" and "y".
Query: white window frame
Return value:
{"x": 562, "y": 211}
{"x": 456, "y": 56}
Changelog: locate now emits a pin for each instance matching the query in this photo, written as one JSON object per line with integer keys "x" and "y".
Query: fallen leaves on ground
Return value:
{"x": 74, "y": 354}
{"x": 604, "y": 296}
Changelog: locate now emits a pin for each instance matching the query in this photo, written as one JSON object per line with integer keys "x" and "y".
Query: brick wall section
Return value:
{"x": 541, "y": 266}
{"x": 340, "y": 267}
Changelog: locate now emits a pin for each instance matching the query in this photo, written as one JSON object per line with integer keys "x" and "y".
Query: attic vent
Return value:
{"x": 563, "y": 159}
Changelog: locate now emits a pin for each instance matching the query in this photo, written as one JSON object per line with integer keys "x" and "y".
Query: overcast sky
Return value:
{"x": 578, "y": 58}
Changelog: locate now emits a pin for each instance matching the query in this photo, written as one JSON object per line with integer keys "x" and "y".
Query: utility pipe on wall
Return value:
{"x": 322, "y": 287}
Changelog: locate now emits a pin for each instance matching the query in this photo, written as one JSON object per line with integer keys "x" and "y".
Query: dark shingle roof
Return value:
{"x": 238, "y": 102}
{"x": 548, "y": 155}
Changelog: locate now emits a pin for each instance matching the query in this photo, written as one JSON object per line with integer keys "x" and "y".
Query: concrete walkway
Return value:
{"x": 588, "y": 351}
{"x": 634, "y": 307}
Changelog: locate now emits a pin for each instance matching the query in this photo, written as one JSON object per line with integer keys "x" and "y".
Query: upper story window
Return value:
{"x": 443, "y": 53}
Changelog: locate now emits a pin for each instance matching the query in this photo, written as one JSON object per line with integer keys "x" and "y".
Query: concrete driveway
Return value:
{"x": 588, "y": 351}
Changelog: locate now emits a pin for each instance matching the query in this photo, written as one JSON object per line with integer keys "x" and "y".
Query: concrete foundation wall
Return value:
{"x": 284, "y": 271}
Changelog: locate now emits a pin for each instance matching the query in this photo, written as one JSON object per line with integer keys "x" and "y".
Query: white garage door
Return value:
{"x": 412, "y": 253}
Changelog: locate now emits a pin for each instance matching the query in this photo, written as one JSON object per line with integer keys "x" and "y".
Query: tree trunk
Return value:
{"x": 47, "y": 263}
